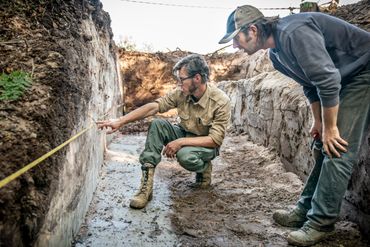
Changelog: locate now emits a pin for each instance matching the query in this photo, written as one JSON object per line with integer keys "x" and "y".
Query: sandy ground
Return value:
{"x": 248, "y": 184}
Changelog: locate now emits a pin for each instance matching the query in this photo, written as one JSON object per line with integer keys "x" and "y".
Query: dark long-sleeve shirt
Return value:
{"x": 320, "y": 52}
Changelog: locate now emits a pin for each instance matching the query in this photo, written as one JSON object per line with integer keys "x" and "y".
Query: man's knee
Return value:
{"x": 188, "y": 159}
{"x": 156, "y": 123}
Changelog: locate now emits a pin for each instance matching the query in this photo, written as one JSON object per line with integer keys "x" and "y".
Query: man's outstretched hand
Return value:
{"x": 113, "y": 124}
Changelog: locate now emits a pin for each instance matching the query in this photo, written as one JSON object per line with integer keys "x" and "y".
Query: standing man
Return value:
{"x": 330, "y": 59}
{"x": 204, "y": 111}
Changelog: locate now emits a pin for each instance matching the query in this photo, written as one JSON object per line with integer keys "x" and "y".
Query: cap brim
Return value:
{"x": 229, "y": 36}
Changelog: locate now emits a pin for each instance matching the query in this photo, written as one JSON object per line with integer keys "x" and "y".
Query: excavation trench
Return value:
{"x": 68, "y": 49}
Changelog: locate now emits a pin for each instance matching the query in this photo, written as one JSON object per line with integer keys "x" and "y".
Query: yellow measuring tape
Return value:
{"x": 10, "y": 178}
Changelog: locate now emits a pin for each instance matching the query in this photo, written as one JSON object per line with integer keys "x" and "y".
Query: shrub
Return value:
{"x": 13, "y": 85}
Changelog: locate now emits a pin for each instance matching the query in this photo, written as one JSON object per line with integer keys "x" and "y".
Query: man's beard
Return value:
{"x": 192, "y": 88}
{"x": 257, "y": 46}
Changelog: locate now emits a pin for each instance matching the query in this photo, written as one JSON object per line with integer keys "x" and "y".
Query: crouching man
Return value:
{"x": 204, "y": 112}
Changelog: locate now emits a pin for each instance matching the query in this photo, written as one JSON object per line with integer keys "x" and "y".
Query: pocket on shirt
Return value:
{"x": 203, "y": 125}
{"x": 205, "y": 121}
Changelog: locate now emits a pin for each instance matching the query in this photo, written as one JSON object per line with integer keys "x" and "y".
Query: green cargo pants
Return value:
{"x": 160, "y": 133}
{"x": 325, "y": 187}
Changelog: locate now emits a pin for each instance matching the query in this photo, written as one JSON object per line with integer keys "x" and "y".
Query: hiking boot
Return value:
{"x": 307, "y": 236}
{"x": 145, "y": 192}
{"x": 203, "y": 180}
{"x": 293, "y": 218}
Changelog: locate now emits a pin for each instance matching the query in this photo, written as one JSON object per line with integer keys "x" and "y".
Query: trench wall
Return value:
{"x": 68, "y": 49}
{"x": 84, "y": 157}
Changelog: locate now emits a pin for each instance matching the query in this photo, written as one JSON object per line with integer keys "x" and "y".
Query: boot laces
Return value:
{"x": 306, "y": 229}
{"x": 145, "y": 182}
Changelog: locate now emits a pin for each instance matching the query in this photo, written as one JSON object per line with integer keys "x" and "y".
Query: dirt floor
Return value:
{"x": 248, "y": 184}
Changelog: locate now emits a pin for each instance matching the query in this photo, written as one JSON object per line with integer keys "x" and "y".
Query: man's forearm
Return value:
{"x": 329, "y": 117}
{"x": 140, "y": 113}
{"x": 199, "y": 141}
{"x": 316, "y": 111}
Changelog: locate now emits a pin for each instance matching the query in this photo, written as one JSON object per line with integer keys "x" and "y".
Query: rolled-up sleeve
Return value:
{"x": 220, "y": 122}
{"x": 168, "y": 102}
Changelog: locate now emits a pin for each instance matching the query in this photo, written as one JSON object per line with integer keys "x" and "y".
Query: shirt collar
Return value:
{"x": 203, "y": 100}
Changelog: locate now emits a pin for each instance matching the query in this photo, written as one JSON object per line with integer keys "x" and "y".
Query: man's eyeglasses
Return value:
{"x": 180, "y": 80}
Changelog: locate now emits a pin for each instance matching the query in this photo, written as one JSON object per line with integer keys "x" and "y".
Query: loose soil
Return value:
{"x": 248, "y": 184}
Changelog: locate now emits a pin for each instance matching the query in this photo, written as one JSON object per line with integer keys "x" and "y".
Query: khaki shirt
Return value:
{"x": 207, "y": 117}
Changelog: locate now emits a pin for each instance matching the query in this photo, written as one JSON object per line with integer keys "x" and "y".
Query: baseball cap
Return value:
{"x": 240, "y": 17}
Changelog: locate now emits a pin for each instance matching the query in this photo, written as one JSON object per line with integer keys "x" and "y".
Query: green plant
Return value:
{"x": 14, "y": 84}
